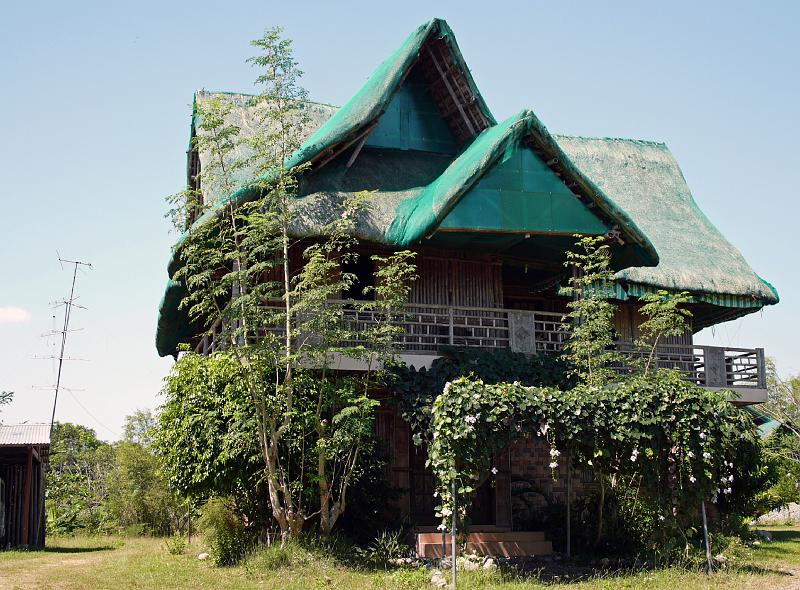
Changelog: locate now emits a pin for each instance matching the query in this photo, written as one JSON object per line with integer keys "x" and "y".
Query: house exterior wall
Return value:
{"x": 533, "y": 488}
{"x": 522, "y": 488}
{"x": 450, "y": 278}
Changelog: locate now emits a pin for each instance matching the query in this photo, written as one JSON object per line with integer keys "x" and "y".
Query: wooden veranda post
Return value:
{"x": 569, "y": 495}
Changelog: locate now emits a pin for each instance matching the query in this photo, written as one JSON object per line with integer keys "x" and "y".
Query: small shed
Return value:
{"x": 24, "y": 451}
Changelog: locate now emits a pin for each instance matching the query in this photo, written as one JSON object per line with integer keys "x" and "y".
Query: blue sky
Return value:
{"x": 95, "y": 107}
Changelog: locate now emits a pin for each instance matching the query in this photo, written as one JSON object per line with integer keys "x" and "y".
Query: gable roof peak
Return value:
{"x": 433, "y": 46}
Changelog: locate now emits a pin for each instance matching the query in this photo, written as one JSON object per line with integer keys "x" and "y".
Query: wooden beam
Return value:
{"x": 336, "y": 153}
{"x": 451, "y": 91}
{"x": 358, "y": 148}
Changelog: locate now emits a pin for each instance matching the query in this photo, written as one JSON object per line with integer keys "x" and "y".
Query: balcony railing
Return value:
{"x": 428, "y": 329}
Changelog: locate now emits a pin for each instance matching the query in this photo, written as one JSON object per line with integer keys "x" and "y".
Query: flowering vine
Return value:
{"x": 679, "y": 437}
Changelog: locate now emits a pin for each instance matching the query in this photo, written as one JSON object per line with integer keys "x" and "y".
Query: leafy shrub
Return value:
{"x": 373, "y": 495}
{"x": 278, "y": 556}
{"x": 388, "y": 545}
{"x": 224, "y": 532}
{"x": 176, "y": 545}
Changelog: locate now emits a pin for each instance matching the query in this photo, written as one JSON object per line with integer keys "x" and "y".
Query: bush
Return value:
{"x": 372, "y": 495}
{"x": 224, "y": 532}
{"x": 388, "y": 545}
{"x": 279, "y": 556}
{"x": 176, "y": 545}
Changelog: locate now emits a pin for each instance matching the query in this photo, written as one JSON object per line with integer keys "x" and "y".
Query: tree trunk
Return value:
{"x": 325, "y": 524}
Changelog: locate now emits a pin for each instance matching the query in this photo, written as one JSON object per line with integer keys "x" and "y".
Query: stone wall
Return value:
{"x": 787, "y": 515}
{"x": 534, "y": 493}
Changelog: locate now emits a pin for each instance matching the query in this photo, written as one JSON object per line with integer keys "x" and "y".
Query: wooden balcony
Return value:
{"x": 428, "y": 329}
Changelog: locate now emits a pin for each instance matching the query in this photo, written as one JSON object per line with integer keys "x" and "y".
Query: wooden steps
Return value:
{"x": 496, "y": 544}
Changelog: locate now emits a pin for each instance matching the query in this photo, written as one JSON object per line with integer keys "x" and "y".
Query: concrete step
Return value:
{"x": 502, "y": 544}
{"x": 493, "y": 548}
{"x": 484, "y": 537}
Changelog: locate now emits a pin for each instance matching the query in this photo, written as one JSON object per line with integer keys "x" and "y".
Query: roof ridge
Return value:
{"x": 607, "y": 138}
{"x": 231, "y": 92}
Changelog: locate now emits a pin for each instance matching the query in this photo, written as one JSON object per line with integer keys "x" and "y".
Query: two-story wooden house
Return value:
{"x": 491, "y": 207}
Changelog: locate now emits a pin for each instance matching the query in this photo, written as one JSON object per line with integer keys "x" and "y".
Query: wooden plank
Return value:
{"x": 26, "y": 498}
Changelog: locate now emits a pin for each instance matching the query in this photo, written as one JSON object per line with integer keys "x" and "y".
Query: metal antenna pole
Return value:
{"x": 67, "y": 313}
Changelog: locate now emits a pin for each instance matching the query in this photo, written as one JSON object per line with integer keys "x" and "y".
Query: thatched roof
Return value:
{"x": 634, "y": 185}
{"x": 643, "y": 178}
{"x": 244, "y": 116}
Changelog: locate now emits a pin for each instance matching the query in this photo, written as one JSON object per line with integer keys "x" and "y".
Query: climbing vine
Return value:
{"x": 677, "y": 438}
{"x": 415, "y": 389}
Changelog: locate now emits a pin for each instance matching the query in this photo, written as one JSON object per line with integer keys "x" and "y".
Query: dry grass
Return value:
{"x": 98, "y": 563}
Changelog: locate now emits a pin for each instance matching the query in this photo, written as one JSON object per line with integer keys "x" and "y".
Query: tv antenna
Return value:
{"x": 69, "y": 304}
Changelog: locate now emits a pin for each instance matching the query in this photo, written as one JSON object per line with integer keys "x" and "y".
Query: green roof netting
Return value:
{"x": 635, "y": 185}
{"x": 420, "y": 215}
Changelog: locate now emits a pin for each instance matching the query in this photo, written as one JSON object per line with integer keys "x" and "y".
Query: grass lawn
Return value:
{"x": 102, "y": 562}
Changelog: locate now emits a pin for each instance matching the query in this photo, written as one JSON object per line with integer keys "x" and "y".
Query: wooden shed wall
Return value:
{"x": 13, "y": 473}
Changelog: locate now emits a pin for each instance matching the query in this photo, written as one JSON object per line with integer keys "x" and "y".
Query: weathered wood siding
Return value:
{"x": 628, "y": 319}
{"x": 17, "y": 502}
{"x": 449, "y": 279}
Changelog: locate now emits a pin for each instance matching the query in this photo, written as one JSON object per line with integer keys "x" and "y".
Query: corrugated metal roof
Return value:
{"x": 15, "y": 435}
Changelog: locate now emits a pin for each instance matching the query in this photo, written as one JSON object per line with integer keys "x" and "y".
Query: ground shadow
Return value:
{"x": 78, "y": 549}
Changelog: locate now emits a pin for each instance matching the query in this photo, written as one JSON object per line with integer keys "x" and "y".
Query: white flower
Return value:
{"x": 553, "y": 464}
{"x": 543, "y": 429}
{"x": 634, "y": 454}
{"x": 730, "y": 478}
{"x": 494, "y": 470}
{"x": 725, "y": 463}
{"x": 436, "y": 494}
{"x": 516, "y": 383}
{"x": 446, "y": 512}
{"x": 661, "y": 517}
{"x": 706, "y": 455}
{"x": 690, "y": 454}
{"x": 555, "y": 452}
{"x": 471, "y": 419}
{"x": 702, "y": 435}
{"x": 727, "y": 490}
{"x": 692, "y": 478}
{"x": 447, "y": 386}
{"x": 442, "y": 527}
